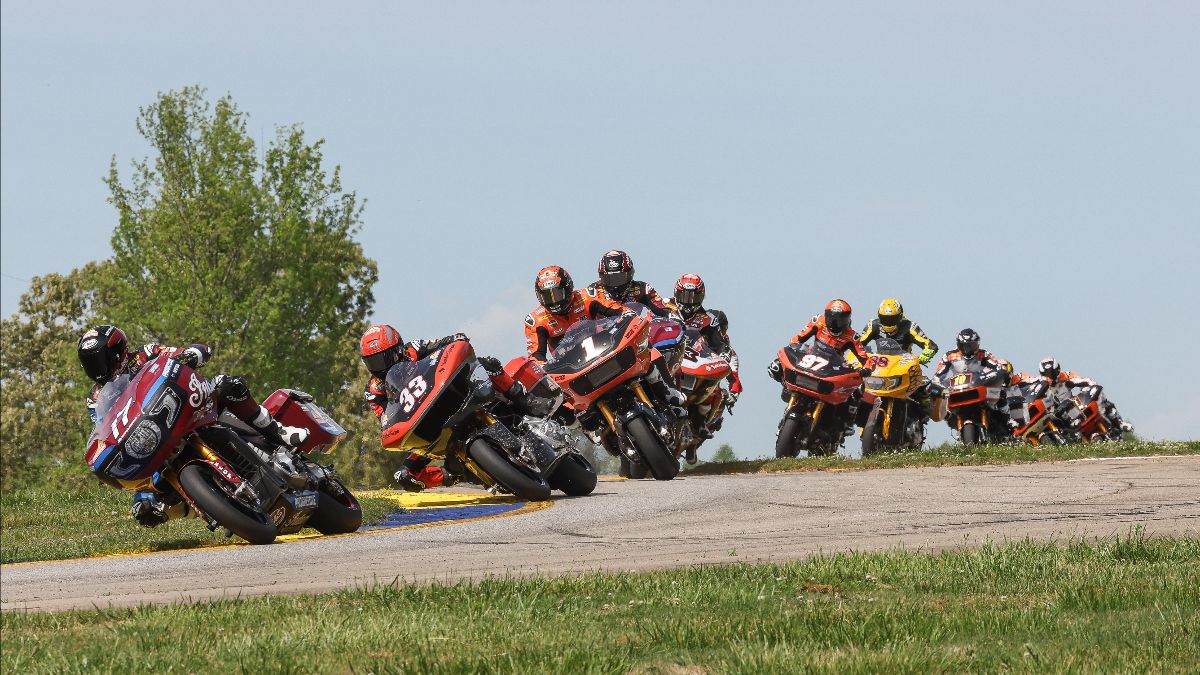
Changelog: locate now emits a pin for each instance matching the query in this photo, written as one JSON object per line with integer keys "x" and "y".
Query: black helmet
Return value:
{"x": 689, "y": 293}
{"x": 101, "y": 351}
{"x": 837, "y": 316}
{"x": 1049, "y": 368}
{"x": 616, "y": 273}
{"x": 554, "y": 288}
{"x": 968, "y": 342}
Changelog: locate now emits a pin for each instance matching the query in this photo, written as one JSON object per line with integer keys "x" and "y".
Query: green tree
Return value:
{"x": 724, "y": 454}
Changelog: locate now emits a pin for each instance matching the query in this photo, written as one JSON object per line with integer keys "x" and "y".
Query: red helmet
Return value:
{"x": 689, "y": 293}
{"x": 837, "y": 316}
{"x": 616, "y": 272}
{"x": 381, "y": 348}
{"x": 101, "y": 352}
{"x": 554, "y": 289}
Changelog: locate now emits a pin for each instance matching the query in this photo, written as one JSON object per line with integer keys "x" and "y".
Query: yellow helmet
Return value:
{"x": 891, "y": 313}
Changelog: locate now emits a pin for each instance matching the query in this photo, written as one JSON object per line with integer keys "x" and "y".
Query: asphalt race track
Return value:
{"x": 639, "y": 525}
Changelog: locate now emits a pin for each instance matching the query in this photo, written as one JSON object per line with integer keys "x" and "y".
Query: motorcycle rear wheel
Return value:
{"x": 656, "y": 456}
{"x": 785, "y": 443}
{"x": 574, "y": 476}
{"x": 336, "y": 513}
{"x": 199, "y": 482}
{"x": 507, "y": 474}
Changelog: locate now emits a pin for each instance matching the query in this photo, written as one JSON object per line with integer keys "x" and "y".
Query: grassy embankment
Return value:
{"x": 80, "y": 517}
{"x": 1118, "y": 605}
{"x": 955, "y": 455}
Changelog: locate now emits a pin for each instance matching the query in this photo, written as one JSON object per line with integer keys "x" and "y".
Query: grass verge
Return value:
{"x": 954, "y": 455}
{"x": 1116, "y": 605}
{"x": 79, "y": 517}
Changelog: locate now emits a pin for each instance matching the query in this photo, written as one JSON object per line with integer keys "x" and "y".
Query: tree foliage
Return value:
{"x": 724, "y": 454}
{"x": 252, "y": 253}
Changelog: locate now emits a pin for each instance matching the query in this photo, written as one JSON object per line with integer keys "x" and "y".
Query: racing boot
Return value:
{"x": 689, "y": 455}
{"x": 277, "y": 433}
{"x": 150, "y": 511}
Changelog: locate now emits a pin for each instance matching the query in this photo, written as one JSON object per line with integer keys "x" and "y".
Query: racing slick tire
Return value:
{"x": 657, "y": 458}
{"x": 574, "y": 476}
{"x": 338, "y": 512}
{"x": 523, "y": 484}
{"x": 200, "y": 483}
{"x": 785, "y": 443}
{"x": 970, "y": 433}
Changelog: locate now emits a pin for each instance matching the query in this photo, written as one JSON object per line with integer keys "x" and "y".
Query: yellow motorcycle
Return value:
{"x": 897, "y": 419}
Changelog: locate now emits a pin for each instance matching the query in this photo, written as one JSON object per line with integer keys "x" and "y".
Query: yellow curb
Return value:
{"x": 529, "y": 507}
{"x": 429, "y": 500}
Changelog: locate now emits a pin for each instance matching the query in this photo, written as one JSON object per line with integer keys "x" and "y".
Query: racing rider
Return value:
{"x": 833, "y": 329}
{"x": 968, "y": 348}
{"x": 616, "y": 284}
{"x": 713, "y": 325}
{"x": 893, "y": 325}
{"x": 381, "y": 348}
{"x": 1052, "y": 374}
{"x": 559, "y": 307}
{"x": 104, "y": 354}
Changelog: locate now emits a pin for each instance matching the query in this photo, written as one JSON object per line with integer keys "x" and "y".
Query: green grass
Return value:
{"x": 1117, "y": 605}
{"x": 80, "y": 517}
{"x": 955, "y": 455}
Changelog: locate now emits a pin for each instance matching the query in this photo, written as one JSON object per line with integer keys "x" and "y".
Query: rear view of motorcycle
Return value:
{"x": 825, "y": 400}
{"x": 159, "y": 430}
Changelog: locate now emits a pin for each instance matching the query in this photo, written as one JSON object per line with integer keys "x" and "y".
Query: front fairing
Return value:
{"x": 587, "y": 342}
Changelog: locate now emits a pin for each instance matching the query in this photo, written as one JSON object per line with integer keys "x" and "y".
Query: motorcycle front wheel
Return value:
{"x": 511, "y": 477}
{"x": 199, "y": 482}
{"x": 785, "y": 443}
{"x": 656, "y": 456}
{"x": 970, "y": 433}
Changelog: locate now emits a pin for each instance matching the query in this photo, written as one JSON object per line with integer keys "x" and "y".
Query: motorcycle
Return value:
{"x": 1085, "y": 417}
{"x": 897, "y": 419}
{"x": 699, "y": 376}
{"x": 495, "y": 430}
{"x": 1033, "y": 412}
{"x": 601, "y": 365}
{"x": 823, "y": 398}
{"x": 974, "y": 394}
{"x": 160, "y": 430}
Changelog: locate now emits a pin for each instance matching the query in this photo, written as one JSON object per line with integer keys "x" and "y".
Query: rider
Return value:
{"x": 104, "y": 354}
{"x": 893, "y": 325}
{"x": 1052, "y": 374}
{"x": 713, "y": 326}
{"x": 616, "y": 284}
{"x": 833, "y": 329}
{"x": 968, "y": 348}
{"x": 559, "y": 307}
{"x": 381, "y": 348}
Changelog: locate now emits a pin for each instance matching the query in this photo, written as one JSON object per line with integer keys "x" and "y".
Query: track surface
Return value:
{"x": 638, "y": 525}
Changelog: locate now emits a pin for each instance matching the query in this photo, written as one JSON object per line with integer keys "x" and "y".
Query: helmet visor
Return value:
{"x": 968, "y": 347}
{"x": 619, "y": 279}
{"x": 837, "y": 322}
{"x": 689, "y": 297}
{"x": 383, "y": 361}
{"x": 96, "y": 364}
{"x": 889, "y": 321}
{"x": 553, "y": 299}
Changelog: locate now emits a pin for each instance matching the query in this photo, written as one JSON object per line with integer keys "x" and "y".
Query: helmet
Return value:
{"x": 553, "y": 287}
{"x": 689, "y": 293}
{"x": 381, "y": 348}
{"x": 891, "y": 313}
{"x": 968, "y": 342}
{"x": 837, "y": 316}
{"x": 1049, "y": 368}
{"x": 101, "y": 351}
{"x": 616, "y": 272}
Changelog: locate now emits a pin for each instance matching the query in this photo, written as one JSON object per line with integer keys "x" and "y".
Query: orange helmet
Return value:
{"x": 689, "y": 293}
{"x": 837, "y": 316}
{"x": 381, "y": 348}
{"x": 554, "y": 289}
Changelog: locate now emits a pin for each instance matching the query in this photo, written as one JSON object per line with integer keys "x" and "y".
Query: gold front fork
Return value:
{"x": 641, "y": 394}
{"x": 816, "y": 414}
{"x": 887, "y": 418}
{"x": 606, "y": 410}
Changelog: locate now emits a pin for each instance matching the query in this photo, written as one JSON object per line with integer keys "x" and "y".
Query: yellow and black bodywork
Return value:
{"x": 897, "y": 380}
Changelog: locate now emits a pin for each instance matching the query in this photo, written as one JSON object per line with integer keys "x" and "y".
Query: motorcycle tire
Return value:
{"x": 970, "y": 433}
{"x": 655, "y": 455}
{"x": 338, "y": 512}
{"x": 199, "y": 481}
{"x": 574, "y": 476}
{"x": 785, "y": 443}
{"x": 638, "y": 470}
{"x": 870, "y": 443}
{"x": 511, "y": 477}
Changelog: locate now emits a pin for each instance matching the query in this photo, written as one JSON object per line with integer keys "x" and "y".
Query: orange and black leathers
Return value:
{"x": 846, "y": 341}
{"x": 376, "y": 395}
{"x": 987, "y": 358}
{"x": 638, "y": 291}
{"x": 714, "y": 328}
{"x": 544, "y": 328}
{"x": 907, "y": 334}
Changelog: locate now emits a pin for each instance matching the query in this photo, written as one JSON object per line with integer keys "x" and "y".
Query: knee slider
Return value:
{"x": 231, "y": 388}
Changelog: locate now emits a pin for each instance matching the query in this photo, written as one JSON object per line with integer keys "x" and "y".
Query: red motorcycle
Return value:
{"x": 699, "y": 375}
{"x": 159, "y": 429}
{"x": 824, "y": 393}
{"x": 495, "y": 430}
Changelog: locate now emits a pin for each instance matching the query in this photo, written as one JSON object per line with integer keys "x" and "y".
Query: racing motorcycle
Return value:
{"x": 699, "y": 375}
{"x": 823, "y": 400}
{"x": 160, "y": 430}
{"x": 1083, "y": 413}
{"x": 1032, "y": 412}
{"x": 973, "y": 395}
{"x": 495, "y": 430}
{"x": 897, "y": 419}
{"x": 601, "y": 365}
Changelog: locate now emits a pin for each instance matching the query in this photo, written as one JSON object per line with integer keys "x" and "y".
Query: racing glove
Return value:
{"x": 491, "y": 364}
{"x": 926, "y": 356}
{"x": 731, "y": 398}
{"x": 190, "y": 357}
{"x": 775, "y": 370}
{"x": 408, "y": 481}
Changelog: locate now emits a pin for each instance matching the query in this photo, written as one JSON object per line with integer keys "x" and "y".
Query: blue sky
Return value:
{"x": 1028, "y": 170}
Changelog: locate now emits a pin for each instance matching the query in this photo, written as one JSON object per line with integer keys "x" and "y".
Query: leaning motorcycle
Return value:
{"x": 1083, "y": 413}
{"x": 160, "y": 430}
{"x": 824, "y": 395}
{"x": 898, "y": 417}
{"x": 494, "y": 430}
{"x": 1032, "y": 412}
{"x": 974, "y": 394}
{"x": 602, "y": 365}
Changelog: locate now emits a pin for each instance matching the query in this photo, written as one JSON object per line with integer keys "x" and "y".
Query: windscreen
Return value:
{"x": 888, "y": 346}
{"x": 109, "y": 395}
